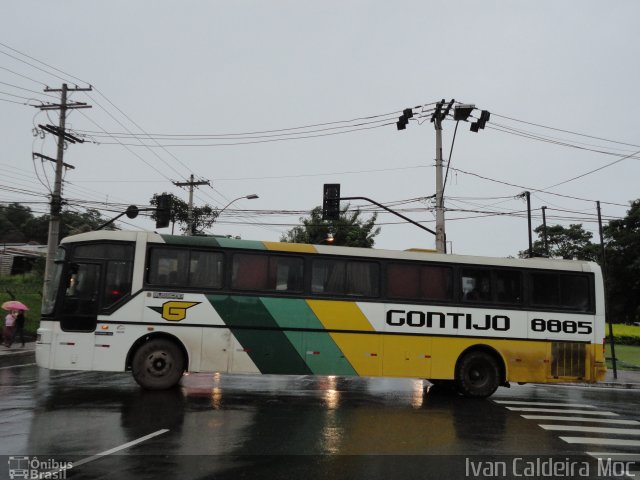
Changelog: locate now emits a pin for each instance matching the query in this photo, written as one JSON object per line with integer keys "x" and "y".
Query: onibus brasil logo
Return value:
{"x": 33, "y": 468}
{"x": 174, "y": 311}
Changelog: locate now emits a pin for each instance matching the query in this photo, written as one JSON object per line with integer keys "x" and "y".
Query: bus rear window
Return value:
{"x": 564, "y": 291}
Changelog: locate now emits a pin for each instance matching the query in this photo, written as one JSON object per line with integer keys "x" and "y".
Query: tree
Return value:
{"x": 19, "y": 225}
{"x": 13, "y": 218}
{"x": 203, "y": 217}
{"x": 567, "y": 243}
{"x": 349, "y": 230}
{"x": 623, "y": 265}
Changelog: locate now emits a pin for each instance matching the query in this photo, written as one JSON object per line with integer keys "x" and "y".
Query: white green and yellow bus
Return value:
{"x": 162, "y": 305}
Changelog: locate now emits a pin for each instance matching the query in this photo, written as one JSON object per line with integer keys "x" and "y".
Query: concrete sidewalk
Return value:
{"x": 16, "y": 355}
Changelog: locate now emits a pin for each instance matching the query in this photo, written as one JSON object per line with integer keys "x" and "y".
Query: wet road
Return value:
{"x": 220, "y": 426}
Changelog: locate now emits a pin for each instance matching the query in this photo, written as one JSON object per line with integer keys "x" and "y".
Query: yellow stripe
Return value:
{"x": 290, "y": 247}
{"x": 364, "y": 352}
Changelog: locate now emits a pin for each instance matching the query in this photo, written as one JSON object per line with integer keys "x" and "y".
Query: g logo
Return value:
{"x": 176, "y": 311}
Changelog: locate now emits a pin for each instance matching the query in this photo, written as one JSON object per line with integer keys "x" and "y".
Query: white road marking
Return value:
{"x": 545, "y": 404}
{"x": 18, "y": 366}
{"x": 578, "y": 428}
{"x": 617, "y": 456}
{"x": 602, "y": 441}
{"x": 559, "y": 410}
{"x": 119, "y": 448}
{"x": 582, "y": 419}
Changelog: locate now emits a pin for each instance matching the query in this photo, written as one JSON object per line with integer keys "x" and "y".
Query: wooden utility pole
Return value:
{"x": 56, "y": 195}
{"x": 191, "y": 183}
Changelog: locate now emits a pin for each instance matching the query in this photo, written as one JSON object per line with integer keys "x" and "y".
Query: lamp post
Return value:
{"x": 253, "y": 196}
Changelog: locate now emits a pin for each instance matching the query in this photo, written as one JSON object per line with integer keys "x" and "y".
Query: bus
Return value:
{"x": 163, "y": 305}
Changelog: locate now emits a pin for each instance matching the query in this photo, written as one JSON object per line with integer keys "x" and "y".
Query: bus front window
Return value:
{"x": 49, "y": 301}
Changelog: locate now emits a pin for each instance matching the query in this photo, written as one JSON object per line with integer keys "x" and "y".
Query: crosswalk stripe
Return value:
{"x": 602, "y": 441}
{"x": 617, "y": 456}
{"x": 578, "y": 428}
{"x": 558, "y": 410}
{"x": 544, "y": 404}
{"x": 613, "y": 421}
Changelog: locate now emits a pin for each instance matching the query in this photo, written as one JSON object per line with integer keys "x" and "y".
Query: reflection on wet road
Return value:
{"x": 280, "y": 426}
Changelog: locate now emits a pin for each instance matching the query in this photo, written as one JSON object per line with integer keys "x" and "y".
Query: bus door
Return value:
{"x": 78, "y": 316}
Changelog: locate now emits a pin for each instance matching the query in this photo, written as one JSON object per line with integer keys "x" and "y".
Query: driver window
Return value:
{"x": 82, "y": 291}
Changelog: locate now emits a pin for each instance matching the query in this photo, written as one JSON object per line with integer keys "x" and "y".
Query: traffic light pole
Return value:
{"x": 390, "y": 211}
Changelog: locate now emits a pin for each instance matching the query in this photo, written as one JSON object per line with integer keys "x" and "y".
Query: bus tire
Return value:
{"x": 158, "y": 364}
{"x": 477, "y": 374}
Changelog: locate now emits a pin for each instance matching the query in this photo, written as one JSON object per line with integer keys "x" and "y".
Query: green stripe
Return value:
{"x": 257, "y": 331}
{"x": 207, "y": 241}
{"x": 249, "y": 244}
{"x": 320, "y": 352}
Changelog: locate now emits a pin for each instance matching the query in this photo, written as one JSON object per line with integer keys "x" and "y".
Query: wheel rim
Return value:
{"x": 478, "y": 375}
{"x": 158, "y": 363}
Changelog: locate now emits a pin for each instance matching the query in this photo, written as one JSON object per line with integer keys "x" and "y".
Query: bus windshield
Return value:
{"x": 49, "y": 301}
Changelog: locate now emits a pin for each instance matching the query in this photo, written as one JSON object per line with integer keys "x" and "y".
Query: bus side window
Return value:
{"x": 476, "y": 285}
{"x": 508, "y": 286}
{"x": 205, "y": 269}
{"x": 344, "y": 277}
{"x": 168, "y": 266}
{"x": 285, "y": 274}
{"x": 249, "y": 271}
{"x": 117, "y": 281}
{"x": 545, "y": 289}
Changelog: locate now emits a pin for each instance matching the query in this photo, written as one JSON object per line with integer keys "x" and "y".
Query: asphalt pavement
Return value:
{"x": 16, "y": 354}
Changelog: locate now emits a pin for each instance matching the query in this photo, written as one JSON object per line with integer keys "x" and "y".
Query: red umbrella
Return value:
{"x": 14, "y": 305}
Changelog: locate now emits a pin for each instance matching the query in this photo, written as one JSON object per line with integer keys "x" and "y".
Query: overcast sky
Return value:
{"x": 235, "y": 67}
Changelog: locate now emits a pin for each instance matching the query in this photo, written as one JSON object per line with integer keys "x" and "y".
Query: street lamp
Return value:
{"x": 253, "y": 196}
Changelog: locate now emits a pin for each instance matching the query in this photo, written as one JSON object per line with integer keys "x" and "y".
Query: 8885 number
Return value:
{"x": 561, "y": 326}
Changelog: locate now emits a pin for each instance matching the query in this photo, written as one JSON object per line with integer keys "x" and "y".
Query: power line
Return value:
{"x": 251, "y": 134}
{"x": 483, "y": 177}
{"x": 565, "y": 131}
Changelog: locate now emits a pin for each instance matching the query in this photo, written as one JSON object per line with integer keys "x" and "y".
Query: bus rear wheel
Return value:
{"x": 477, "y": 375}
{"x": 158, "y": 365}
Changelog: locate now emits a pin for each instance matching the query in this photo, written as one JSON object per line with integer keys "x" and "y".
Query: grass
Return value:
{"x": 620, "y": 329}
{"x": 627, "y": 356}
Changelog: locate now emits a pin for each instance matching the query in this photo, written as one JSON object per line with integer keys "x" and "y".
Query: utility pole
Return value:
{"x": 56, "y": 196}
{"x": 191, "y": 183}
{"x": 461, "y": 113}
{"x": 544, "y": 231}
{"x": 527, "y": 196}
{"x": 436, "y": 118}
{"x": 603, "y": 257}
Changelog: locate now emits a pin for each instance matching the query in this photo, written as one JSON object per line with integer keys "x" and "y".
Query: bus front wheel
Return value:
{"x": 477, "y": 375}
{"x": 158, "y": 364}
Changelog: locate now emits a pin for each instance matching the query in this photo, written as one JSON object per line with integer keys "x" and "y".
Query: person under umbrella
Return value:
{"x": 14, "y": 319}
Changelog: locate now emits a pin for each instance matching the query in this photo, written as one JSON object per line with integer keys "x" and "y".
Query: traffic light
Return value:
{"x": 403, "y": 119}
{"x": 331, "y": 201}
{"x": 163, "y": 211}
{"x": 482, "y": 121}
